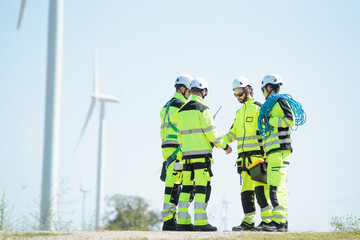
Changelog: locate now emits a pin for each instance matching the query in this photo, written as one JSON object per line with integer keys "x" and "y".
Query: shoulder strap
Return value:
{"x": 257, "y": 103}
{"x": 167, "y": 113}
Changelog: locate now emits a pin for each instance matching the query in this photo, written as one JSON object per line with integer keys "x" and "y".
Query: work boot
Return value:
{"x": 185, "y": 227}
{"x": 169, "y": 225}
{"x": 205, "y": 228}
{"x": 286, "y": 226}
{"x": 260, "y": 227}
{"x": 244, "y": 226}
{"x": 275, "y": 227}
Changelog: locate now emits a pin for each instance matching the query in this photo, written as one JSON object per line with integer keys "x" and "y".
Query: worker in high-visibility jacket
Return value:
{"x": 277, "y": 148}
{"x": 245, "y": 131}
{"x": 197, "y": 137}
{"x": 171, "y": 150}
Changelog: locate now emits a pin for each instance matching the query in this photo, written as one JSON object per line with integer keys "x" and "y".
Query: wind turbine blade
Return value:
{"x": 96, "y": 73}
{"x": 106, "y": 97}
{"x": 21, "y": 13}
{"x": 92, "y": 105}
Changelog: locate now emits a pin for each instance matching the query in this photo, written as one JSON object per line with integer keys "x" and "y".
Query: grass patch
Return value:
{"x": 295, "y": 236}
{"x": 232, "y": 236}
{"x": 25, "y": 235}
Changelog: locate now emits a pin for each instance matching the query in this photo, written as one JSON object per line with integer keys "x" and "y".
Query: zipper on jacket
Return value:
{"x": 242, "y": 146}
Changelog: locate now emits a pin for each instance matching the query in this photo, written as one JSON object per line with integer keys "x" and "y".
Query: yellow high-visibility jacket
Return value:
{"x": 168, "y": 135}
{"x": 245, "y": 129}
{"x": 282, "y": 119}
{"x": 197, "y": 131}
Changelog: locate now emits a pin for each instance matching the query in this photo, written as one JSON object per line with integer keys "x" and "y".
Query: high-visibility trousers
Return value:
{"x": 249, "y": 190}
{"x": 172, "y": 187}
{"x": 278, "y": 163}
{"x": 194, "y": 174}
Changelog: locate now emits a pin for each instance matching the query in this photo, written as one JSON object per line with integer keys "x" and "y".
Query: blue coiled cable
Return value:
{"x": 265, "y": 129}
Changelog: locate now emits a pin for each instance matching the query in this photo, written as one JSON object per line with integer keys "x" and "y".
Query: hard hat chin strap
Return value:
{"x": 206, "y": 92}
{"x": 198, "y": 92}
{"x": 183, "y": 92}
{"x": 269, "y": 93}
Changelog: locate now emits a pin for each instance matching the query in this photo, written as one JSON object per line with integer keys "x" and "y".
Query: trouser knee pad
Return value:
{"x": 163, "y": 172}
{"x": 208, "y": 192}
{"x": 260, "y": 196}
{"x": 273, "y": 196}
{"x": 247, "y": 200}
{"x": 175, "y": 194}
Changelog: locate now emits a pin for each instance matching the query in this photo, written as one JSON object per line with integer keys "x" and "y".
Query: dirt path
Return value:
{"x": 8, "y": 235}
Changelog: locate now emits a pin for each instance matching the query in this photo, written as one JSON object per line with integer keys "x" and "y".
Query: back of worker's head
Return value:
{"x": 198, "y": 84}
{"x": 183, "y": 80}
{"x": 244, "y": 83}
{"x": 273, "y": 80}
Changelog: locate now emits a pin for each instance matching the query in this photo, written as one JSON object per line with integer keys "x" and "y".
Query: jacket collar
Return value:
{"x": 250, "y": 101}
{"x": 180, "y": 97}
{"x": 198, "y": 99}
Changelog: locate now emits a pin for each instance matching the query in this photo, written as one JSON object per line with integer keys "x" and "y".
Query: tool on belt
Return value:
{"x": 257, "y": 172}
{"x": 241, "y": 163}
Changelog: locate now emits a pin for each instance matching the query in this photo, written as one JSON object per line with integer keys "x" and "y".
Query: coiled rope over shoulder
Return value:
{"x": 265, "y": 128}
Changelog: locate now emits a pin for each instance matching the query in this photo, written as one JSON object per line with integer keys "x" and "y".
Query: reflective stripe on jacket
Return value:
{"x": 168, "y": 136}
{"x": 245, "y": 128}
{"x": 282, "y": 119}
{"x": 197, "y": 129}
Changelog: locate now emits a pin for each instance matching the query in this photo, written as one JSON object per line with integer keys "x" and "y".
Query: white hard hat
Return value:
{"x": 272, "y": 79}
{"x": 199, "y": 82}
{"x": 184, "y": 79}
{"x": 241, "y": 82}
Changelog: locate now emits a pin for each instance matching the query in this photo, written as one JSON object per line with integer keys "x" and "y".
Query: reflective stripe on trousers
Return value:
{"x": 168, "y": 210}
{"x": 249, "y": 185}
{"x": 266, "y": 214}
{"x": 249, "y": 217}
{"x": 172, "y": 178}
{"x": 200, "y": 212}
{"x": 278, "y": 163}
{"x": 201, "y": 178}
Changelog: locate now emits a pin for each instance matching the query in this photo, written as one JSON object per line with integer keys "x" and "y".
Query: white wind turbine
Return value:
{"x": 103, "y": 99}
{"x": 84, "y": 192}
{"x": 48, "y": 215}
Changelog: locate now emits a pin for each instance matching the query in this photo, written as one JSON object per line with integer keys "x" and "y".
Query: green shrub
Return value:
{"x": 130, "y": 213}
{"x": 5, "y": 214}
{"x": 347, "y": 223}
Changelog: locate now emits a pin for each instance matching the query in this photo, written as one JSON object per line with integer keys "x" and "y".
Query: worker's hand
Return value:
{"x": 266, "y": 119}
{"x": 228, "y": 150}
{"x": 264, "y": 166}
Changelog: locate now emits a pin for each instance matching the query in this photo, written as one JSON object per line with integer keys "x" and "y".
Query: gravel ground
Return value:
{"x": 80, "y": 235}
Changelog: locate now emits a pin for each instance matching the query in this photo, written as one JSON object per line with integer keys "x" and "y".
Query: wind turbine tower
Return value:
{"x": 224, "y": 213}
{"x": 48, "y": 215}
{"x": 84, "y": 192}
{"x": 102, "y": 99}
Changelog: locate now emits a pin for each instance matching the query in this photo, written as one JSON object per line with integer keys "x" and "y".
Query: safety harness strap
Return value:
{"x": 199, "y": 165}
{"x": 246, "y": 155}
{"x": 172, "y": 157}
{"x": 168, "y": 116}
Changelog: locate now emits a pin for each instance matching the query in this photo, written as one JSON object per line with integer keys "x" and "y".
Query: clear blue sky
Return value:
{"x": 143, "y": 46}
